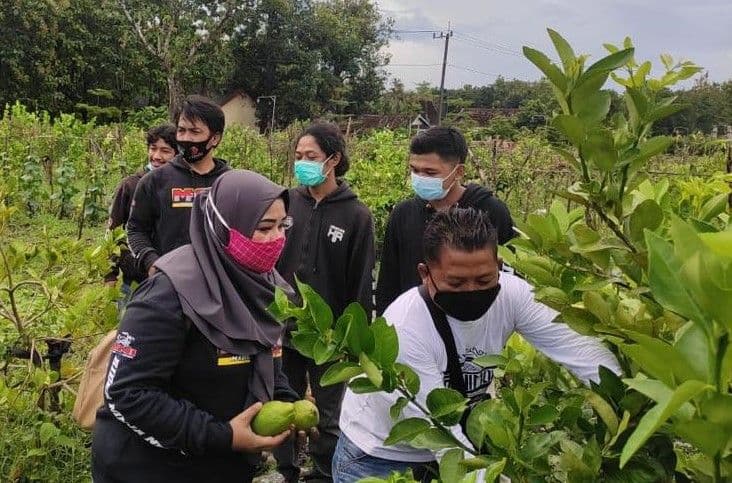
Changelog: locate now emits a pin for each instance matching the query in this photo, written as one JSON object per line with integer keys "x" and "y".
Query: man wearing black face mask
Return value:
{"x": 161, "y": 206}
{"x": 465, "y": 308}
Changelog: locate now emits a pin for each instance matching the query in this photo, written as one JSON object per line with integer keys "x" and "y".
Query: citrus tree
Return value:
{"x": 634, "y": 265}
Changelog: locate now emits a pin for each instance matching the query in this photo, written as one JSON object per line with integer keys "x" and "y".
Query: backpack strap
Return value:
{"x": 454, "y": 369}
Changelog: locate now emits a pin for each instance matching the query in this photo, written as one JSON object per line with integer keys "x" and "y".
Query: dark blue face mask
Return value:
{"x": 465, "y": 305}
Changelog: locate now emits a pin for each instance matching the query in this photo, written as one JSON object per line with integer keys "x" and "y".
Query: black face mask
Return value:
{"x": 468, "y": 305}
{"x": 194, "y": 151}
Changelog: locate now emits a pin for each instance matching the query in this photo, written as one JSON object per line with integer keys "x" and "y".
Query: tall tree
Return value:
{"x": 52, "y": 54}
{"x": 182, "y": 35}
{"x": 314, "y": 56}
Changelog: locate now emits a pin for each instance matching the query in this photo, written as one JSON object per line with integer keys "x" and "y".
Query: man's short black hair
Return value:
{"x": 199, "y": 108}
{"x": 447, "y": 142}
{"x": 465, "y": 229}
{"x": 166, "y": 132}
{"x": 331, "y": 141}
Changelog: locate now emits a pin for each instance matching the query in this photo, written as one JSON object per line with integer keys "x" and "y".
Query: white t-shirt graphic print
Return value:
{"x": 365, "y": 418}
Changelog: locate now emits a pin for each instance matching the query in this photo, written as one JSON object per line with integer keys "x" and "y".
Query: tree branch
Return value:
{"x": 138, "y": 30}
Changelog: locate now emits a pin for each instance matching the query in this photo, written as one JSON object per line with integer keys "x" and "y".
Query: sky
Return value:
{"x": 488, "y": 35}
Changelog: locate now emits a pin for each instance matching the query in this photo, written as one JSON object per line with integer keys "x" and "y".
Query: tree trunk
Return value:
{"x": 175, "y": 93}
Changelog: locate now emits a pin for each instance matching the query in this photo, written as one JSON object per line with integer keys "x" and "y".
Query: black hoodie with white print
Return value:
{"x": 331, "y": 247}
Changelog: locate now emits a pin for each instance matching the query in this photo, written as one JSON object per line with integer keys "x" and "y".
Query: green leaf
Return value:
{"x": 372, "y": 371}
{"x": 451, "y": 468}
{"x": 446, "y": 405}
{"x": 340, "y": 372}
{"x": 411, "y": 379}
{"x": 571, "y": 126}
{"x": 542, "y": 415}
{"x": 705, "y": 435}
{"x": 48, "y": 432}
{"x": 564, "y": 50}
{"x": 386, "y": 344}
{"x": 546, "y": 66}
{"x": 406, "y": 430}
{"x": 595, "y": 302}
{"x": 604, "y": 410}
{"x": 395, "y": 411}
{"x": 664, "y": 112}
{"x": 655, "y": 145}
{"x": 360, "y": 338}
{"x": 667, "y": 61}
{"x": 304, "y": 342}
{"x": 657, "y": 359}
{"x": 362, "y": 385}
{"x": 713, "y": 207}
{"x": 319, "y": 310}
{"x": 280, "y": 305}
{"x": 658, "y": 415}
{"x": 538, "y": 444}
{"x": 592, "y": 108}
{"x": 323, "y": 351}
{"x": 647, "y": 215}
{"x": 693, "y": 349}
{"x": 434, "y": 439}
{"x": 612, "y": 61}
{"x": 599, "y": 147}
{"x": 494, "y": 471}
{"x": 664, "y": 281}
{"x": 490, "y": 360}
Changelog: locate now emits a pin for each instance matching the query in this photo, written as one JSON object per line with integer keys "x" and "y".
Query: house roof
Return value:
{"x": 233, "y": 94}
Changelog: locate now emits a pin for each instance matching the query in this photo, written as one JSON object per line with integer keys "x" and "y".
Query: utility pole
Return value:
{"x": 271, "y": 132}
{"x": 272, "y": 118}
{"x": 445, "y": 36}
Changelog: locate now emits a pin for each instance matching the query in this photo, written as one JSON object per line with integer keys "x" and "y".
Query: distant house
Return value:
{"x": 419, "y": 124}
{"x": 239, "y": 110}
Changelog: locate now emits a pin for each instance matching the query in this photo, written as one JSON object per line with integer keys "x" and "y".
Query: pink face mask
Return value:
{"x": 259, "y": 257}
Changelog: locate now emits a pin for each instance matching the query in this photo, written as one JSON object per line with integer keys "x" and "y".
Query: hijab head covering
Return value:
{"x": 227, "y": 303}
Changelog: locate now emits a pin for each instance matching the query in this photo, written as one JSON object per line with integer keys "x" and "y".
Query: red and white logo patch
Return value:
{"x": 123, "y": 345}
{"x": 183, "y": 197}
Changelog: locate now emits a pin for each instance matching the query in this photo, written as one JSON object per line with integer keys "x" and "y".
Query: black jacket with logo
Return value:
{"x": 403, "y": 247}
{"x": 169, "y": 395}
{"x": 331, "y": 247}
{"x": 161, "y": 209}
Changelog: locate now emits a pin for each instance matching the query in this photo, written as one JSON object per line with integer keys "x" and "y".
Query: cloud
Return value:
{"x": 489, "y": 34}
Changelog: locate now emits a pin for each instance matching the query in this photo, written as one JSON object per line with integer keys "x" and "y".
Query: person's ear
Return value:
{"x": 499, "y": 262}
{"x": 335, "y": 160}
{"x": 215, "y": 140}
{"x": 460, "y": 171}
{"x": 423, "y": 272}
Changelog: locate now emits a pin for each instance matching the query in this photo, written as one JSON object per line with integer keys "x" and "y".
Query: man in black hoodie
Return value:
{"x": 161, "y": 207}
{"x": 437, "y": 165}
{"x": 331, "y": 248}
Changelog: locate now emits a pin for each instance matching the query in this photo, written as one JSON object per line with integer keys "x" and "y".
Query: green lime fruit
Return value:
{"x": 273, "y": 418}
{"x": 306, "y": 415}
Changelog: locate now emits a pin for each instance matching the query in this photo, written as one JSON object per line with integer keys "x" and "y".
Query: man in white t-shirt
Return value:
{"x": 483, "y": 307}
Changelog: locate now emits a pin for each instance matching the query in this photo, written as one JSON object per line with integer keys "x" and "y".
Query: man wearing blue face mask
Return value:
{"x": 437, "y": 165}
{"x": 331, "y": 248}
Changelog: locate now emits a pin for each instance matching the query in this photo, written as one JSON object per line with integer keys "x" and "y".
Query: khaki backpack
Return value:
{"x": 91, "y": 388}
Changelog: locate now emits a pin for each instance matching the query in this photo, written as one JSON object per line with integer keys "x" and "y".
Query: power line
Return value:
{"x": 490, "y": 49}
{"x": 476, "y": 71}
{"x": 412, "y": 65}
{"x": 498, "y": 44}
{"x": 415, "y": 31}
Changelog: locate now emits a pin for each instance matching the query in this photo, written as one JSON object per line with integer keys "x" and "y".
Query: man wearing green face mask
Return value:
{"x": 331, "y": 248}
